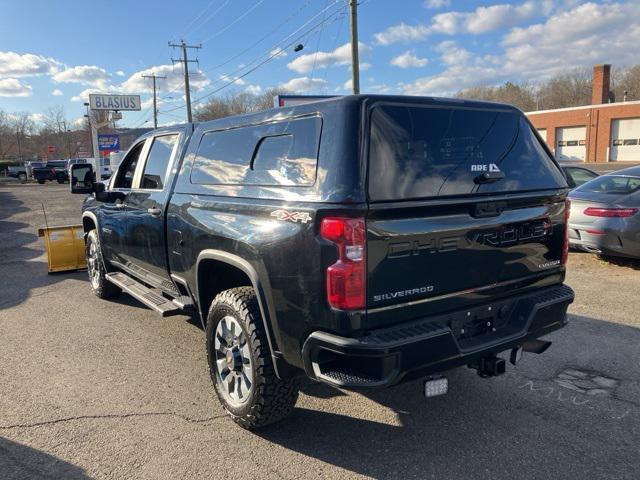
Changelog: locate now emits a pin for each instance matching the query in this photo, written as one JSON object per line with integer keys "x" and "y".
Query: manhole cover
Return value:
{"x": 587, "y": 382}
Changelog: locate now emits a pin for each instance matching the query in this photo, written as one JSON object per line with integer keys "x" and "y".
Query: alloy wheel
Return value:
{"x": 233, "y": 361}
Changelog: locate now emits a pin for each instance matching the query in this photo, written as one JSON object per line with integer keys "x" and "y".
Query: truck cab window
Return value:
{"x": 129, "y": 164}
{"x": 157, "y": 162}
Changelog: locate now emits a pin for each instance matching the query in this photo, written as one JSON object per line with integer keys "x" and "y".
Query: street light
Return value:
{"x": 86, "y": 104}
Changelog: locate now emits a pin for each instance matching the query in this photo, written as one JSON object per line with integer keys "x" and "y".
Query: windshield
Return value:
{"x": 57, "y": 163}
{"x": 428, "y": 151}
{"x": 616, "y": 184}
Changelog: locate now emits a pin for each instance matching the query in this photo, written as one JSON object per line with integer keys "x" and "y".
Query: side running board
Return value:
{"x": 164, "y": 306}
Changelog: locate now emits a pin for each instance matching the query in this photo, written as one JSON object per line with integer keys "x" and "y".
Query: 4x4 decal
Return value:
{"x": 302, "y": 217}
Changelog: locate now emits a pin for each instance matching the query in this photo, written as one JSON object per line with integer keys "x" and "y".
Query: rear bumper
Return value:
{"x": 411, "y": 350}
{"x": 603, "y": 240}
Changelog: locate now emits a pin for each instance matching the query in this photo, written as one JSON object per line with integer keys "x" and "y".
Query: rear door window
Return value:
{"x": 580, "y": 175}
{"x": 155, "y": 168}
{"x": 125, "y": 175}
{"x": 421, "y": 152}
{"x": 274, "y": 154}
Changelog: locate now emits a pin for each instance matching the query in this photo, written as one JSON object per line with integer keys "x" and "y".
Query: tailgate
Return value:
{"x": 466, "y": 205}
{"x": 436, "y": 259}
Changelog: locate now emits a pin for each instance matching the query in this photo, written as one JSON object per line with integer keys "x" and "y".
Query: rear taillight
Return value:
{"x": 347, "y": 278}
{"x": 610, "y": 212}
{"x": 565, "y": 244}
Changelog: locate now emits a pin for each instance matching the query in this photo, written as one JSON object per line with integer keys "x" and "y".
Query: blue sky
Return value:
{"x": 55, "y": 53}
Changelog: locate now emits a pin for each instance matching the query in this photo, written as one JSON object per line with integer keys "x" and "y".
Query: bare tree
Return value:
{"x": 234, "y": 104}
{"x": 519, "y": 95}
{"x": 23, "y": 126}
{"x": 626, "y": 80}
{"x": 6, "y": 143}
{"x": 571, "y": 89}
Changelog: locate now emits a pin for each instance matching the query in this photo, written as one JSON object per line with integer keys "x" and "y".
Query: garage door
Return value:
{"x": 625, "y": 140}
{"x": 571, "y": 145}
{"x": 543, "y": 133}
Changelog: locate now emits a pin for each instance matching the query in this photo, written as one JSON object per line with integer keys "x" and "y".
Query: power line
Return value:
{"x": 220, "y": 32}
{"x": 254, "y": 68}
{"x": 213, "y": 14}
{"x": 155, "y": 100}
{"x": 315, "y": 57}
{"x": 274, "y": 47}
{"x": 197, "y": 17}
{"x": 185, "y": 60}
{"x": 260, "y": 40}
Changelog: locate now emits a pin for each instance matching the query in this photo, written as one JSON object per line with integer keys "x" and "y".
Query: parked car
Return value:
{"x": 30, "y": 165}
{"x": 361, "y": 241}
{"x": 576, "y": 176}
{"x": 53, "y": 170}
{"x": 604, "y": 214}
{"x": 18, "y": 171}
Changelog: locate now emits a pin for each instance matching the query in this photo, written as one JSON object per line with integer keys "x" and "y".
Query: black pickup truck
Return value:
{"x": 361, "y": 241}
{"x": 53, "y": 170}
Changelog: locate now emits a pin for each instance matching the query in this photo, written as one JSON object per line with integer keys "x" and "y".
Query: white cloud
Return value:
{"x": 401, "y": 33}
{"x": 380, "y": 88}
{"x": 408, "y": 60}
{"x": 253, "y": 89}
{"x": 278, "y": 53}
{"x": 84, "y": 75}
{"x": 120, "y": 73}
{"x": 434, "y": 4}
{"x": 37, "y": 117}
{"x": 481, "y": 20}
{"x": 487, "y": 19}
{"x": 175, "y": 80}
{"x": 79, "y": 122}
{"x": 304, "y": 84}
{"x": 581, "y": 36}
{"x": 348, "y": 85}
{"x": 57, "y": 92}
{"x": 235, "y": 80}
{"x": 13, "y": 64}
{"x": 11, "y": 87}
{"x": 339, "y": 56}
{"x": 451, "y": 54}
{"x": 83, "y": 96}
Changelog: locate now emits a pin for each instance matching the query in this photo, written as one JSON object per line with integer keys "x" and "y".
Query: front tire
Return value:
{"x": 101, "y": 287}
{"x": 240, "y": 362}
{"x": 22, "y": 177}
{"x": 41, "y": 182}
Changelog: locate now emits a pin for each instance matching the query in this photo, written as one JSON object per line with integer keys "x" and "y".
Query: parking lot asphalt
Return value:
{"x": 108, "y": 389}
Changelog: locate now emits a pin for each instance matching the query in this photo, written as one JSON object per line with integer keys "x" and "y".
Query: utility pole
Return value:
{"x": 19, "y": 147}
{"x": 186, "y": 61}
{"x": 153, "y": 76}
{"x": 66, "y": 134}
{"x": 355, "y": 62}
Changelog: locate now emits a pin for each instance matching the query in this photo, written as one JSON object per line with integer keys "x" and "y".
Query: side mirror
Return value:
{"x": 82, "y": 178}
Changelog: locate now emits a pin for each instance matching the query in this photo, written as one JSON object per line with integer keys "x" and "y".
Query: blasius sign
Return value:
{"x": 114, "y": 102}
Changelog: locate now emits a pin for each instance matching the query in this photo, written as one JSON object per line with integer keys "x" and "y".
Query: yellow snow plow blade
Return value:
{"x": 65, "y": 247}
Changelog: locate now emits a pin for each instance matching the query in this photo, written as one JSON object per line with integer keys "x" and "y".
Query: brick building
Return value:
{"x": 600, "y": 132}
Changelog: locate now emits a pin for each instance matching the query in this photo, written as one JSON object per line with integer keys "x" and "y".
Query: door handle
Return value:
{"x": 155, "y": 212}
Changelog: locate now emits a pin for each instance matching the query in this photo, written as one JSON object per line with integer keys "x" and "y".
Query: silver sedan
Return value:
{"x": 605, "y": 214}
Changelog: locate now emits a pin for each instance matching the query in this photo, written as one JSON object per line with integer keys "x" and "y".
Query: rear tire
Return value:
{"x": 60, "y": 179}
{"x": 240, "y": 362}
{"x": 22, "y": 177}
{"x": 41, "y": 182}
{"x": 101, "y": 287}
